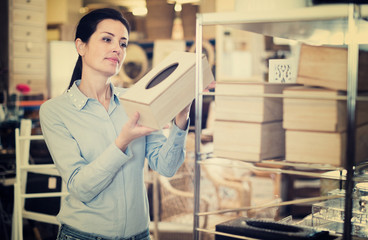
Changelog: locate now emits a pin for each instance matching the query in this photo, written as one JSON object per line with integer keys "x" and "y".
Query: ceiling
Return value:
{"x": 128, "y": 4}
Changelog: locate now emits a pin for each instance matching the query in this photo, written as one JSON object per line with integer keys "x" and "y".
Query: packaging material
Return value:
{"x": 165, "y": 90}
{"x": 327, "y": 67}
{"x": 324, "y": 147}
{"x": 249, "y": 141}
{"x": 248, "y": 109}
{"x": 318, "y": 114}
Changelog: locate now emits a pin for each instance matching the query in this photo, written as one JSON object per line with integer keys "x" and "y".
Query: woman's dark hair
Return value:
{"x": 87, "y": 26}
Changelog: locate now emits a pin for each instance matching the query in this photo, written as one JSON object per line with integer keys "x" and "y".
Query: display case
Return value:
{"x": 331, "y": 24}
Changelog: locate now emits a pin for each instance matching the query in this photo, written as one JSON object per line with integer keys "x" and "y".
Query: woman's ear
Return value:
{"x": 80, "y": 45}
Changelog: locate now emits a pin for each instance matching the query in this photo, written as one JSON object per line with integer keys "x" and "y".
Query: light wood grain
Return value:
{"x": 327, "y": 67}
{"x": 249, "y": 141}
{"x": 160, "y": 104}
{"x": 324, "y": 147}
{"x": 249, "y": 109}
{"x": 317, "y": 114}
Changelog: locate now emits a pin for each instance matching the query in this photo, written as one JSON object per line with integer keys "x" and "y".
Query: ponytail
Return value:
{"x": 77, "y": 72}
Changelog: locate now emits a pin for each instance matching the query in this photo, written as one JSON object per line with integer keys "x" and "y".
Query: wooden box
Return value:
{"x": 249, "y": 141}
{"x": 165, "y": 90}
{"x": 318, "y": 114}
{"x": 327, "y": 67}
{"x": 248, "y": 109}
{"x": 324, "y": 147}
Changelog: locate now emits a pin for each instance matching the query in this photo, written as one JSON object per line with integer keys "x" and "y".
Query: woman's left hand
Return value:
{"x": 181, "y": 119}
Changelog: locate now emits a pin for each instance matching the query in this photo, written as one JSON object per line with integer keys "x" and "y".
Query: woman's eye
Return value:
{"x": 106, "y": 39}
{"x": 123, "y": 45}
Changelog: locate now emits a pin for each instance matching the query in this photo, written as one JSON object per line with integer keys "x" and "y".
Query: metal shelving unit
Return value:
{"x": 342, "y": 24}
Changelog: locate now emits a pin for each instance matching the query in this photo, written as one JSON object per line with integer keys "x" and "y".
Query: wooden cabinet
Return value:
{"x": 24, "y": 35}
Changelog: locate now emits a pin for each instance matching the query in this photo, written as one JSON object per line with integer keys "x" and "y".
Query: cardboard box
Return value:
{"x": 248, "y": 109}
{"x": 324, "y": 147}
{"x": 327, "y": 67}
{"x": 319, "y": 114}
{"x": 165, "y": 90}
{"x": 249, "y": 141}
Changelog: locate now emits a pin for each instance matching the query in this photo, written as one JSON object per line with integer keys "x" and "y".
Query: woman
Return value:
{"x": 97, "y": 149}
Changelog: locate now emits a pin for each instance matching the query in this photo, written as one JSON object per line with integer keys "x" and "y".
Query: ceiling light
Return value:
{"x": 139, "y": 11}
{"x": 178, "y": 7}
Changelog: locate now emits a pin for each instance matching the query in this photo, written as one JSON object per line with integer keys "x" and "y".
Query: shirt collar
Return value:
{"x": 116, "y": 92}
{"x": 79, "y": 100}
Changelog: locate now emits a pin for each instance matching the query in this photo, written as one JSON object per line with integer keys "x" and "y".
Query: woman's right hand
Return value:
{"x": 130, "y": 131}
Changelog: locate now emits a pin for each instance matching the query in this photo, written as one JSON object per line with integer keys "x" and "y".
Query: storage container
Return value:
{"x": 251, "y": 108}
{"x": 249, "y": 141}
{"x": 165, "y": 90}
{"x": 318, "y": 114}
{"x": 324, "y": 147}
{"x": 327, "y": 67}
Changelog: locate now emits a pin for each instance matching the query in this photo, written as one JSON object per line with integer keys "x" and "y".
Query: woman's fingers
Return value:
{"x": 134, "y": 119}
{"x": 212, "y": 85}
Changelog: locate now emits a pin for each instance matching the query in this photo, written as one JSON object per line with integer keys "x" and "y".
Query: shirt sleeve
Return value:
{"x": 166, "y": 155}
{"x": 85, "y": 180}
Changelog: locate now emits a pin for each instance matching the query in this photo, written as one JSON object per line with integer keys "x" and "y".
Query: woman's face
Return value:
{"x": 106, "y": 49}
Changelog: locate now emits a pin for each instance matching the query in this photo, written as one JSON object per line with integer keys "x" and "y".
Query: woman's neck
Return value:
{"x": 96, "y": 88}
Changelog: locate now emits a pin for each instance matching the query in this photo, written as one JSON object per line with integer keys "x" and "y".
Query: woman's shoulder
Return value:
{"x": 54, "y": 104}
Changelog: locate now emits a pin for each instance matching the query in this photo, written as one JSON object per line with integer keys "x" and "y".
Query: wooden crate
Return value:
{"x": 327, "y": 67}
{"x": 248, "y": 109}
{"x": 318, "y": 114}
{"x": 324, "y": 147}
{"x": 165, "y": 90}
{"x": 249, "y": 141}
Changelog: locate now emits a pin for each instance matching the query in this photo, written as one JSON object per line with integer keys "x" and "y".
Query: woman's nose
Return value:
{"x": 117, "y": 48}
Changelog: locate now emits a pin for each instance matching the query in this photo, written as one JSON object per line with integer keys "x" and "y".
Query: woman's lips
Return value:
{"x": 115, "y": 60}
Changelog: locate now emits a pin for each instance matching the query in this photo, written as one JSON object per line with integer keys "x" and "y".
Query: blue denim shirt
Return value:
{"x": 106, "y": 186}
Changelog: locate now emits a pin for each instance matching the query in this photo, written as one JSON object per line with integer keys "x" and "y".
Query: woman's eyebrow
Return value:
{"x": 123, "y": 38}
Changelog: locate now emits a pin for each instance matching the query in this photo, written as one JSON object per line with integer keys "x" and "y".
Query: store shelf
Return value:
{"x": 270, "y": 205}
{"x": 344, "y": 25}
{"x": 275, "y": 95}
{"x": 299, "y": 169}
{"x": 340, "y": 97}
{"x": 324, "y": 24}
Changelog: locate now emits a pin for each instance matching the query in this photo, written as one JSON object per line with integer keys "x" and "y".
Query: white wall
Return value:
{"x": 62, "y": 59}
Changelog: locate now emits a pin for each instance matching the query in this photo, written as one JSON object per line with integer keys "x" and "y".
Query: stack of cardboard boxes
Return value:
{"x": 248, "y": 127}
{"x": 316, "y": 128}
{"x": 306, "y": 125}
